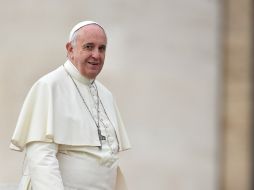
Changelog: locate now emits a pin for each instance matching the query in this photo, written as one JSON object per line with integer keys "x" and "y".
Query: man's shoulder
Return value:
{"x": 53, "y": 77}
{"x": 103, "y": 88}
{"x": 50, "y": 80}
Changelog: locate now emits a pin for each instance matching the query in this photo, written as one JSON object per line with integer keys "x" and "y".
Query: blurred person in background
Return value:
{"x": 69, "y": 125}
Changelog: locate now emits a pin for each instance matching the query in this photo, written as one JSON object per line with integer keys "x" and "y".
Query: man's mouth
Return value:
{"x": 93, "y": 63}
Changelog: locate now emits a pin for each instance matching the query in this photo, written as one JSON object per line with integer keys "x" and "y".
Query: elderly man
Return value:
{"x": 70, "y": 125}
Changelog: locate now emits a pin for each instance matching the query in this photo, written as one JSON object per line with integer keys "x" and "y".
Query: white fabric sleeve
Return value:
{"x": 43, "y": 166}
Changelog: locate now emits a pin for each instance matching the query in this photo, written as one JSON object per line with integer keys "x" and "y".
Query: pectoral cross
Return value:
{"x": 101, "y": 137}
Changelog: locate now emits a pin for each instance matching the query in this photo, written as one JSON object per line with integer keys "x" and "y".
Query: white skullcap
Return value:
{"x": 79, "y": 25}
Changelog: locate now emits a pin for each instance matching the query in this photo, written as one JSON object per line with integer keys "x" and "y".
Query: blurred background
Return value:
{"x": 180, "y": 71}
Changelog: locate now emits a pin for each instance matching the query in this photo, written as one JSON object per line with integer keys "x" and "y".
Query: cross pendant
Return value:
{"x": 101, "y": 137}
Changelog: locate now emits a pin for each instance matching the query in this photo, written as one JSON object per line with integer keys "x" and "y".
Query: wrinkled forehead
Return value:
{"x": 80, "y": 25}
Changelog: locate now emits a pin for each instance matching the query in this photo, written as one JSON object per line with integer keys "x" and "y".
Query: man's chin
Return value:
{"x": 91, "y": 75}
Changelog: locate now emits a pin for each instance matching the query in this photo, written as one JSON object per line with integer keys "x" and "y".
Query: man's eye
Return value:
{"x": 102, "y": 48}
{"x": 88, "y": 47}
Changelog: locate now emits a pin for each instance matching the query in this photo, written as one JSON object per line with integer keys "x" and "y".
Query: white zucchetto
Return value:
{"x": 81, "y": 24}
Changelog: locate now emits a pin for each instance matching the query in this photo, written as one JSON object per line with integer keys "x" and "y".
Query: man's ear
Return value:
{"x": 69, "y": 47}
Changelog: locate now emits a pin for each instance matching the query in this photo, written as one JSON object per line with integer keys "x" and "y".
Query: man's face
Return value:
{"x": 88, "y": 53}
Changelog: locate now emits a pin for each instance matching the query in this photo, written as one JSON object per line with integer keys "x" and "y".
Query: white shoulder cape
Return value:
{"x": 54, "y": 112}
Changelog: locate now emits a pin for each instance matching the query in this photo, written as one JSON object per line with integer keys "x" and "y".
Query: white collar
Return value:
{"x": 74, "y": 72}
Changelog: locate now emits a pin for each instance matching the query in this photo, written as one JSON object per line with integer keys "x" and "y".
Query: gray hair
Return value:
{"x": 74, "y": 37}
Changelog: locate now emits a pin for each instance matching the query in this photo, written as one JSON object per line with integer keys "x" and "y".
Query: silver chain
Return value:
{"x": 101, "y": 137}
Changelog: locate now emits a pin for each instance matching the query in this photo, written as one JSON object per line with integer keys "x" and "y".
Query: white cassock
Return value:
{"x": 60, "y": 134}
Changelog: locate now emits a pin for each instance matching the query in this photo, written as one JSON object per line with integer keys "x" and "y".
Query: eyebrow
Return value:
{"x": 89, "y": 43}
{"x": 103, "y": 45}
{"x": 92, "y": 44}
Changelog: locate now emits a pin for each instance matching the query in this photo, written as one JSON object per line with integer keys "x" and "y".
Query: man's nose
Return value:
{"x": 96, "y": 53}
